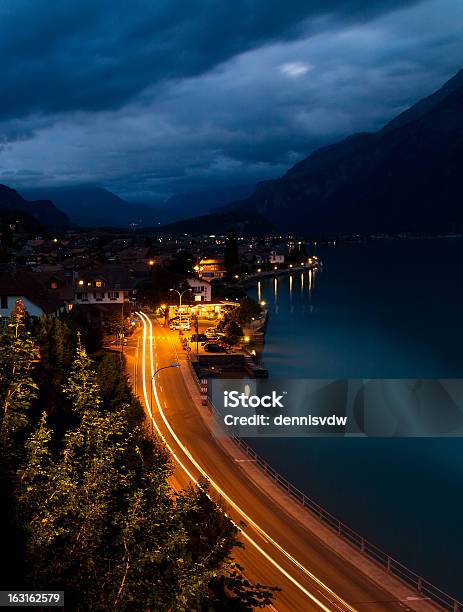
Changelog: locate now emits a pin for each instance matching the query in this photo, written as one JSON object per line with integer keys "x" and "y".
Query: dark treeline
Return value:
{"x": 86, "y": 503}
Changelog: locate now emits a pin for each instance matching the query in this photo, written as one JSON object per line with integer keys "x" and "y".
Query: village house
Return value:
{"x": 200, "y": 289}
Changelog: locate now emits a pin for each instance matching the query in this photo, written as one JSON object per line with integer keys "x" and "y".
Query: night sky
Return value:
{"x": 149, "y": 98}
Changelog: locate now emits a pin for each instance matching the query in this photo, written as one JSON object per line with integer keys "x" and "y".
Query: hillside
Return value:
{"x": 44, "y": 211}
{"x": 196, "y": 203}
{"x": 243, "y": 222}
{"x": 95, "y": 206}
{"x": 406, "y": 177}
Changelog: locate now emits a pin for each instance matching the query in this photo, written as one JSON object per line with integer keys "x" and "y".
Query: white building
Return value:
{"x": 34, "y": 294}
{"x": 106, "y": 285}
{"x": 200, "y": 289}
{"x": 8, "y": 302}
{"x": 276, "y": 258}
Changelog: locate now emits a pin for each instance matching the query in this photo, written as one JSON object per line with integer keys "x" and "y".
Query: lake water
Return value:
{"x": 377, "y": 310}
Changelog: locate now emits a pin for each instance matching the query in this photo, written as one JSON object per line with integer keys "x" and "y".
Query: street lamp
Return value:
{"x": 172, "y": 365}
{"x": 180, "y": 293}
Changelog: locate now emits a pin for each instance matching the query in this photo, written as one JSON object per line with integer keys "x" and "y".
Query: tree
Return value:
{"x": 34, "y": 476}
{"x": 231, "y": 256}
{"x": 115, "y": 390}
{"x": 155, "y": 290}
{"x": 182, "y": 263}
{"x": 232, "y": 331}
{"x": 82, "y": 388}
{"x": 118, "y": 325}
{"x": 56, "y": 345}
{"x": 248, "y": 310}
{"x": 18, "y": 355}
{"x": 102, "y": 522}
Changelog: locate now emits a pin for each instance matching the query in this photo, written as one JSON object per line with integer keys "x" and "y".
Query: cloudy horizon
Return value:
{"x": 171, "y": 98}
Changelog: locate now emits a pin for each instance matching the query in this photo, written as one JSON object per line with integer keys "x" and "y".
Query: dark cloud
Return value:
{"x": 97, "y": 55}
{"x": 149, "y": 98}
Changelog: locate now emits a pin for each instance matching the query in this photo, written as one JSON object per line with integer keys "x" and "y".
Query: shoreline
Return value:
{"x": 334, "y": 534}
{"x": 252, "y": 278}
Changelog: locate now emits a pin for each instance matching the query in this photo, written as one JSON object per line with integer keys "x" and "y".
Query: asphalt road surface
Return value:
{"x": 278, "y": 550}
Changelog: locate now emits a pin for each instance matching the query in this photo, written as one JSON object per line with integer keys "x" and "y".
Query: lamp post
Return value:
{"x": 172, "y": 365}
{"x": 180, "y": 293}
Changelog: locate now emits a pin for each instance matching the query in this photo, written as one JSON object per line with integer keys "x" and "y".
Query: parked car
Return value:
{"x": 184, "y": 326}
{"x": 212, "y": 334}
{"x": 211, "y": 339}
{"x": 198, "y": 338}
{"x": 214, "y": 347}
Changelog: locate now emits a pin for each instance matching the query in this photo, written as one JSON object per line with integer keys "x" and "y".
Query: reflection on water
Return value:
{"x": 378, "y": 310}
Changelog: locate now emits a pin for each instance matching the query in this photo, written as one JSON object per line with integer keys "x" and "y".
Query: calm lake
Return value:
{"x": 377, "y": 310}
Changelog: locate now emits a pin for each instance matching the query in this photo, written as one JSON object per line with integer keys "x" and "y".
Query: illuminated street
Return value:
{"x": 279, "y": 549}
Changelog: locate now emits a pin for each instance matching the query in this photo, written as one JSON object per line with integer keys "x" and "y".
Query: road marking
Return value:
{"x": 222, "y": 493}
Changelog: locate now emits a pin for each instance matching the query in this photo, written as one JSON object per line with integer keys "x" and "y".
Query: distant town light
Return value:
{"x": 151, "y": 262}
{"x": 275, "y": 268}
{"x": 196, "y": 268}
{"x": 263, "y": 303}
{"x": 81, "y": 282}
{"x": 290, "y": 265}
{"x": 247, "y": 339}
{"x": 236, "y": 276}
{"x": 259, "y": 270}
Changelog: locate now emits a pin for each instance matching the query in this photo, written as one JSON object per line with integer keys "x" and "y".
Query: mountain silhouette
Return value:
{"x": 407, "y": 177}
{"x": 43, "y": 211}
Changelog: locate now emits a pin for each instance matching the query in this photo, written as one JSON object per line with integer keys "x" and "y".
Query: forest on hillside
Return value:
{"x": 87, "y": 507}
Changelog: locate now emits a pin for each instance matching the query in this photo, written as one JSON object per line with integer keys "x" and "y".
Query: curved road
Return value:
{"x": 278, "y": 550}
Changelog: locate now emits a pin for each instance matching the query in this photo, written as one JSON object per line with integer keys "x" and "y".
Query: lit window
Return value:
{"x": 98, "y": 284}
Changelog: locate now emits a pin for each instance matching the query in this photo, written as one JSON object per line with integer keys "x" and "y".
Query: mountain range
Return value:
{"x": 95, "y": 206}
{"x": 407, "y": 177}
{"x": 195, "y": 203}
{"x": 43, "y": 211}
